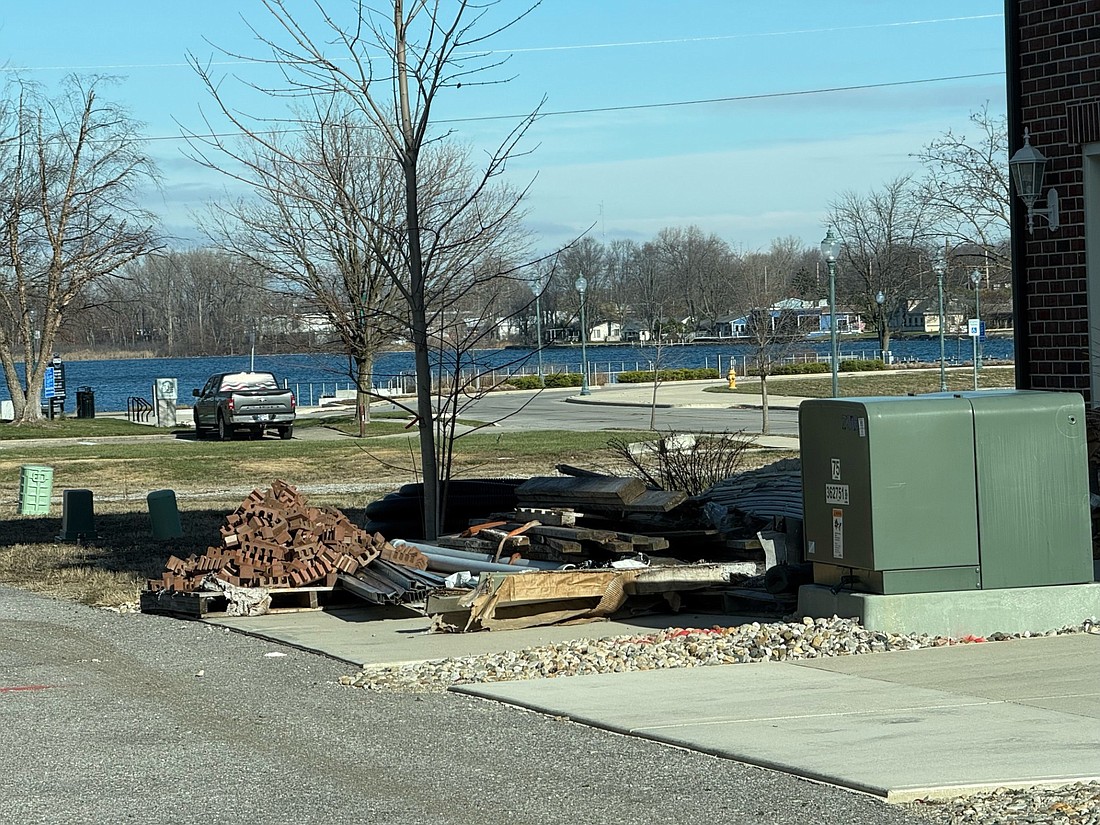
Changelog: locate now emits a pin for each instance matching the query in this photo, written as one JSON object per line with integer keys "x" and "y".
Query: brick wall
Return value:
{"x": 1054, "y": 90}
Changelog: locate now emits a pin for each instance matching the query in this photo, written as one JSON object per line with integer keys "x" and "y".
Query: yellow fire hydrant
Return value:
{"x": 732, "y": 377}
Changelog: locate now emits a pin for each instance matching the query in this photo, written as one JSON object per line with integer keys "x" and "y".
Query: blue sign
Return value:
{"x": 49, "y": 387}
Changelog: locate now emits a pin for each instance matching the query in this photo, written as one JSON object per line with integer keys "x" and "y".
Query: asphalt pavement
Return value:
{"x": 141, "y": 718}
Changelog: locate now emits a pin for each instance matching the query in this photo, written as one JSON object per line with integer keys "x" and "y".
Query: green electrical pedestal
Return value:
{"x": 946, "y": 492}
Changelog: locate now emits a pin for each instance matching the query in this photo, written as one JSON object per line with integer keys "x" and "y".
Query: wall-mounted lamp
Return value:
{"x": 1027, "y": 167}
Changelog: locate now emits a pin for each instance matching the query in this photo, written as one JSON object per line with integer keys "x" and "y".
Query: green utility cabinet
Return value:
{"x": 964, "y": 491}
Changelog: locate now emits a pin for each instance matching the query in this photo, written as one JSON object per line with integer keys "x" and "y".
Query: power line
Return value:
{"x": 733, "y": 99}
{"x": 644, "y": 106}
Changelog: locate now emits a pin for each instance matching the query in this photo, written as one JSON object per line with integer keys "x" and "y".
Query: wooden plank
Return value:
{"x": 582, "y": 491}
{"x": 657, "y": 501}
{"x": 556, "y": 517}
{"x": 204, "y": 603}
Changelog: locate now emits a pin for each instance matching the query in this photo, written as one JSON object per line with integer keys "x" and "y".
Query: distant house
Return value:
{"x": 636, "y": 332}
{"x": 606, "y": 332}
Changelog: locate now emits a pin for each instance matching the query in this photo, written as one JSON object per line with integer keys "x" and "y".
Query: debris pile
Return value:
{"x": 276, "y": 540}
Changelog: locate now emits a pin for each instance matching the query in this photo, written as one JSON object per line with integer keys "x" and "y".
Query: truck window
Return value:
{"x": 238, "y": 381}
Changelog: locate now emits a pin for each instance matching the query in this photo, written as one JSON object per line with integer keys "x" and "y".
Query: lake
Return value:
{"x": 311, "y": 376}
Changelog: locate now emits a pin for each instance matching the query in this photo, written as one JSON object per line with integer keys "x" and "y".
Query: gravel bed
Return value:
{"x": 1077, "y": 804}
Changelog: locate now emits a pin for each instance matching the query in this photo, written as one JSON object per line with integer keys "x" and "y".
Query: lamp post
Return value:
{"x": 939, "y": 269}
{"x": 539, "y": 285}
{"x": 830, "y": 246}
{"x": 582, "y": 288}
{"x": 976, "y": 280}
{"x": 880, "y": 299}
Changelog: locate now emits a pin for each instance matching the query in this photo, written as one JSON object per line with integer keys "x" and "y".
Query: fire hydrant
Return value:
{"x": 732, "y": 377}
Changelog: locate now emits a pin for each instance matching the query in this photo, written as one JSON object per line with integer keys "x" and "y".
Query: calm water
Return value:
{"x": 114, "y": 381}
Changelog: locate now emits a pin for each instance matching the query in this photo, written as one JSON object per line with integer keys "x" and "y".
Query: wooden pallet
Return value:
{"x": 205, "y": 604}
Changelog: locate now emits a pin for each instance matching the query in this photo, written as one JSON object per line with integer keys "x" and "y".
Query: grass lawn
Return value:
{"x": 882, "y": 382}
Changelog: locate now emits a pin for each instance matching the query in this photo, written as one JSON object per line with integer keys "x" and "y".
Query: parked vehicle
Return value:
{"x": 251, "y": 402}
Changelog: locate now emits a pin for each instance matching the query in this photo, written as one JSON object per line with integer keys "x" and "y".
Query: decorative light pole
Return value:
{"x": 976, "y": 279}
{"x": 880, "y": 299}
{"x": 830, "y": 247}
{"x": 939, "y": 268}
{"x": 539, "y": 285}
{"x": 582, "y": 288}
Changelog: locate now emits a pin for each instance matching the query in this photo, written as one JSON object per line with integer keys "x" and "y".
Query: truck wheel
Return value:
{"x": 224, "y": 433}
{"x": 286, "y": 433}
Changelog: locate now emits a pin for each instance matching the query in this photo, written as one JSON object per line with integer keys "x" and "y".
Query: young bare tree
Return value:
{"x": 884, "y": 234}
{"x": 765, "y": 292}
{"x": 389, "y": 66}
{"x": 70, "y": 169}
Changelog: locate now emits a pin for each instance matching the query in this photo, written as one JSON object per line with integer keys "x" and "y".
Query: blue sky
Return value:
{"x": 783, "y": 131}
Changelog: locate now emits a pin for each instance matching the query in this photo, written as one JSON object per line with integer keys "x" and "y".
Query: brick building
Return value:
{"x": 1053, "y": 76}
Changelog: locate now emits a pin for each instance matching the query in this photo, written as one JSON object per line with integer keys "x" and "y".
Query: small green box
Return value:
{"x": 35, "y": 489}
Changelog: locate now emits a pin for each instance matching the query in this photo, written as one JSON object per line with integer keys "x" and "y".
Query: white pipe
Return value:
{"x": 471, "y": 556}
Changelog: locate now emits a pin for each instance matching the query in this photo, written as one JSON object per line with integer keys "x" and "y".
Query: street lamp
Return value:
{"x": 539, "y": 285}
{"x": 976, "y": 328}
{"x": 830, "y": 247}
{"x": 880, "y": 299}
{"x": 582, "y": 288}
{"x": 939, "y": 268}
{"x": 1027, "y": 167}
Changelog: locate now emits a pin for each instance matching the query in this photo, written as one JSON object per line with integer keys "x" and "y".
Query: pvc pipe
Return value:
{"x": 468, "y": 556}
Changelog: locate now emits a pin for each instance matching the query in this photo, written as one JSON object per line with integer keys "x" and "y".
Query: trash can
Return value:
{"x": 77, "y": 516}
{"x": 164, "y": 514}
{"x": 85, "y": 402}
{"x": 35, "y": 489}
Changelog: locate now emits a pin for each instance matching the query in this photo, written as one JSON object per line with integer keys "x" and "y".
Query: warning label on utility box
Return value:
{"x": 838, "y": 534}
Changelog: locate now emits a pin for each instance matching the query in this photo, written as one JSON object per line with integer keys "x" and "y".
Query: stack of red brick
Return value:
{"x": 275, "y": 539}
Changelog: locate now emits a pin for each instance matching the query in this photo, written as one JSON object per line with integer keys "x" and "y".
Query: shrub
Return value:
{"x": 646, "y": 376}
{"x": 524, "y": 382}
{"x": 562, "y": 379}
{"x": 808, "y": 368}
{"x": 689, "y": 463}
{"x": 861, "y": 365}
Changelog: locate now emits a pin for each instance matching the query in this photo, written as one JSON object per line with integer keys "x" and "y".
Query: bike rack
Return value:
{"x": 138, "y": 409}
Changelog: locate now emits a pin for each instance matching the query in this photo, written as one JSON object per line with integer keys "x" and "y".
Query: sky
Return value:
{"x": 745, "y": 119}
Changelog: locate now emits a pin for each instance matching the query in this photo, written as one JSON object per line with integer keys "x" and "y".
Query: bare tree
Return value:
{"x": 701, "y": 267}
{"x": 70, "y": 169}
{"x": 766, "y": 293}
{"x": 966, "y": 185}
{"x": 884, "y": 235}
{"x": 389, "y": 67}
{"x": 325, "y": 209}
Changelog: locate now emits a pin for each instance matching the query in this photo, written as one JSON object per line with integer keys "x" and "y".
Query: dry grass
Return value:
{"x": 210, "y": 479}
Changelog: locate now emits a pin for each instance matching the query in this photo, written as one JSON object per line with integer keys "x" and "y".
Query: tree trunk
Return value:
{"x": 364, "y": 370}
{"x": 765, "y": 424}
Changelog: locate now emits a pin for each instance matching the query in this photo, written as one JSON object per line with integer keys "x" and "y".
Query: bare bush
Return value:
{"x": 689, "y": 463}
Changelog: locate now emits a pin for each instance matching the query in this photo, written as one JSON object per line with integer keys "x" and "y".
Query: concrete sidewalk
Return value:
{"x": 906, "y": 725}
{"x": 901, "y": 725}
{"x": 686, "y": 394}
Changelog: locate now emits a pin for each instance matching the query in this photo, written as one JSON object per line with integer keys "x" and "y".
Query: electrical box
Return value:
{"x": 964, "y": 491}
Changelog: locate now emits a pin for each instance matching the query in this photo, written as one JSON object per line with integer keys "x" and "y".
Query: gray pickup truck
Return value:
{"x": 251, "y": 402}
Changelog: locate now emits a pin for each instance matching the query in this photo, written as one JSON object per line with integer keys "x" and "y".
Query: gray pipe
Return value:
{"x": 432, "y": 550}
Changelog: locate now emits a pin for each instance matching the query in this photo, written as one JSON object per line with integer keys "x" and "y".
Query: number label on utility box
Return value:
{"x": 836, "y": 494}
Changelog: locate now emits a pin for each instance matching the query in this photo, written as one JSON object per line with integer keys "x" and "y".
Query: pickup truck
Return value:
{"x": 251, "y": 402}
